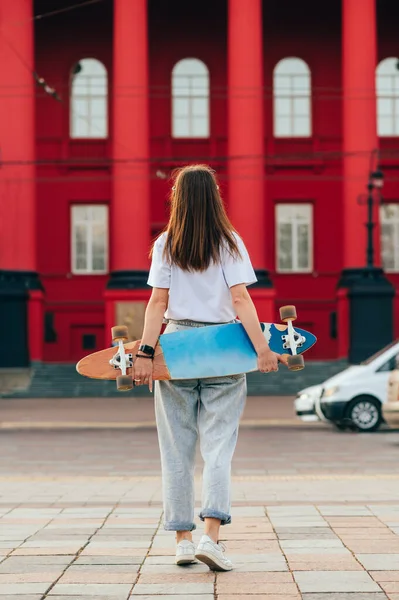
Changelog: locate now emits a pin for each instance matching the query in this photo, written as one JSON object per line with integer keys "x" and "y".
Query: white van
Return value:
{"x": 353, "y": 397}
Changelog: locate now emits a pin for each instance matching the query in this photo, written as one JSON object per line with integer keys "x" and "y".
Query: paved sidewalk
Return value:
{"x": 125, "y": 412}
{"x": 280, "y": 552}
{"x": 315, "y": 516}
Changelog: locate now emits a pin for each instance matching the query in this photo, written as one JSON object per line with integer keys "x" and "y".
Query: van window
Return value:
{"x": 389, "y": 365}
{"x": 377, "y": 354}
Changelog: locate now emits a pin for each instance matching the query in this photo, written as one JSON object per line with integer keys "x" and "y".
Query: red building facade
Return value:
{"x": 98, "y": 106}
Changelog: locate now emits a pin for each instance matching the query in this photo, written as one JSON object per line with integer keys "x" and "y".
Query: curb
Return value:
{"x": 57, "y": 425}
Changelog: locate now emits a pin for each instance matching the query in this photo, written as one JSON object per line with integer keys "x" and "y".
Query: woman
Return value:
{"x": 199, "y": 273}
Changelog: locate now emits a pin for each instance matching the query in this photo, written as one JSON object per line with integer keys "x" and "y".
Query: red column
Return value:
{"x": 127, "y": 292}
{"x": 245, "y": 125}
{"x": 359, "y": 55}
{"x": 131, "y": 186}
{"x": 21, "y": 297}
{"x": 246, "y": 140}
{"x": 17, "y": 137}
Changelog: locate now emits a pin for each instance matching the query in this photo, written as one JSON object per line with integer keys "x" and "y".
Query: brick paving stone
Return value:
{"x": 328, "y": 534}
{"x": 172, "y": 588}
{"x": 19, "y": 589}
{"x": 26, "y": 562}
{"x": 323, "y": 563}
{"x": 320, "y": 551}
{"x": 284, "y": 589}
{"x": 343, "y": 596}
{"x": 335, "y": 581}
{"x": 108, "y": 560}
{"x": 267, "y": 577}
{"x": 390, "y": 587}
{"x": 114, "y": 591}
{"x": 173, "y": 597}
{"x": 198, "y": 567}
{"x": 373, "y": 546}
{"x": 311, "y": 543}
{"x": 385, "y": 575}
{"x": 379, "y": 562}
{"x": 259, "y": 597}
{"x": 64, "y": 551}
{"x": 92, "y": 551}
{"x": 90, "y": 577}
{"x": 233, "y": 535}
{"x": 39, "y": 577}
{"x": 21, "y": 597}
{"x": 79, "y": 596}
{"x": 180, "y": 575}
{"x": 253, "y": 547}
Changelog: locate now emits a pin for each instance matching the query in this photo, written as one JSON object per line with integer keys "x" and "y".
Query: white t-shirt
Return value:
{"x": 202, "y": 296}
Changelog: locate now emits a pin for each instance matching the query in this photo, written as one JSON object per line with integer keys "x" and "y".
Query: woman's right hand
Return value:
{"x": 268, "y": 360}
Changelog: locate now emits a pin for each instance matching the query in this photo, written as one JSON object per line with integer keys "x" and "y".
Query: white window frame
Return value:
{"x": 387, "y": 73}
{"x": 289, "y": 69}
{"x": 76, "y": 220}
{"x": 294, "y": 221}
{"x": 183, "y": 89}
{"x": 98, "y": 72}
{"x": 395, "y": 222}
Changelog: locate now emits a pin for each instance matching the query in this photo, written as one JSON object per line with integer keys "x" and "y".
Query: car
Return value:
{"x": 354, "y": 397}
{"x": 390, "y": 409}
{"x": 305, "y": 403}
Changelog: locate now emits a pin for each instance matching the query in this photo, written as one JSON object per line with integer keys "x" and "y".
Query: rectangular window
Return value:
{"x": 89, "y": 243}
{"x": 294, "y": 238}
{"x": 389, "y": 218}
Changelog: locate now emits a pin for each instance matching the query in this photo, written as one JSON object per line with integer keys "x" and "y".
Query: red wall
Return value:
{"x": 178, "y": 29}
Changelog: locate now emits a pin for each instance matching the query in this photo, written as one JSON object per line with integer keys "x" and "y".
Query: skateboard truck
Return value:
{"x": 122, "y": 360}
{"x": 292, "y": 339}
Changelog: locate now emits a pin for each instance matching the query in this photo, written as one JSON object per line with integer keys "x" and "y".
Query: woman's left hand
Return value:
{"x": 142, "y": 372}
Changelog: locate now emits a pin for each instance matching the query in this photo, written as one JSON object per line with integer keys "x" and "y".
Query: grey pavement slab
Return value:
{"x": 21, "y": 596}
{"x": 114, "y": 591}
{"x": 379, "y": 562}
{"x": 19, "y": 589}
{"x": 335, "y": 581}
{"x": 108, "y": 560}
{"x": 171, "y": 589}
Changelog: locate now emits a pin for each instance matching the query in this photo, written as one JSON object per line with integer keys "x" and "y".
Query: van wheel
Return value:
{"x": 364, "y": 414}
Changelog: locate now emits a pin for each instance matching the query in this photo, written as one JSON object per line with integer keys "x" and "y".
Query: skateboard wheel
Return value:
{"x": 119, "y": 333}
{"x": 124, "y": 383}
{"x": 296, "y": 362}
{"x": 288, "y": 313}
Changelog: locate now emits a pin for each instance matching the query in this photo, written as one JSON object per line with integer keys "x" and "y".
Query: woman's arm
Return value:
{"x": 246, "y": 312}
{"x": 154, "y": 314}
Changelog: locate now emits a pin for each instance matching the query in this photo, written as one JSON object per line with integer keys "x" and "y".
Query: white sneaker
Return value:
{"x": 185, "y": 552}
{"x": 213, "y": 555}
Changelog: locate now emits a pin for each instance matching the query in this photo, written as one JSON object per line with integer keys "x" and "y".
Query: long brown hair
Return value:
{"x": 198, "y": 225}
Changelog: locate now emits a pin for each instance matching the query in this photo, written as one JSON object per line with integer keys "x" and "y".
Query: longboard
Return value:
{"x": 199, "y": 352}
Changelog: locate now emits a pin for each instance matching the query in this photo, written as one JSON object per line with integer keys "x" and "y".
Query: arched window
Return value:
{"x": 190, "y": 99}
{"x": 387, "y": 84}
{"x": 292, "y": 99}
{"x": 89, "y": 100}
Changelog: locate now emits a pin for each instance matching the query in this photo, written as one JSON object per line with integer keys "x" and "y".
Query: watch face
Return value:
{"x": 146, "y": 349}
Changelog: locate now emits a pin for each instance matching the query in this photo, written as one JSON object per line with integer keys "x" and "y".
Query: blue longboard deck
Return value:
{"x": 221, "y": 350}
{"x": 197, "y": 353}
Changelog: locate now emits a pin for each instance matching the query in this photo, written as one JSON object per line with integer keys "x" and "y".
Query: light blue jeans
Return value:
{"x": 184, "y": 410}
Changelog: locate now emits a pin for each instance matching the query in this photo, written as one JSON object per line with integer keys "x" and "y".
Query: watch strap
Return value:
{"x": 145, "y": 349}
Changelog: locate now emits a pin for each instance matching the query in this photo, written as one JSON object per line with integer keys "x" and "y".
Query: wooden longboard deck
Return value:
{"x": 195, "y": 353}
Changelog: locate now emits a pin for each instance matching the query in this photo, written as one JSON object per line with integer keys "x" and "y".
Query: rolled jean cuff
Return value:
{"x": 179, "y": 526}
{"x": 215, "y": 514}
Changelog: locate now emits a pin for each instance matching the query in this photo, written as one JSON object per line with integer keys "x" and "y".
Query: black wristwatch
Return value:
{"x": 149, "y": 350}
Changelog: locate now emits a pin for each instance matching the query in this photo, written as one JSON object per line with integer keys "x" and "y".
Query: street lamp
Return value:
{"x": 376, "y": 182}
